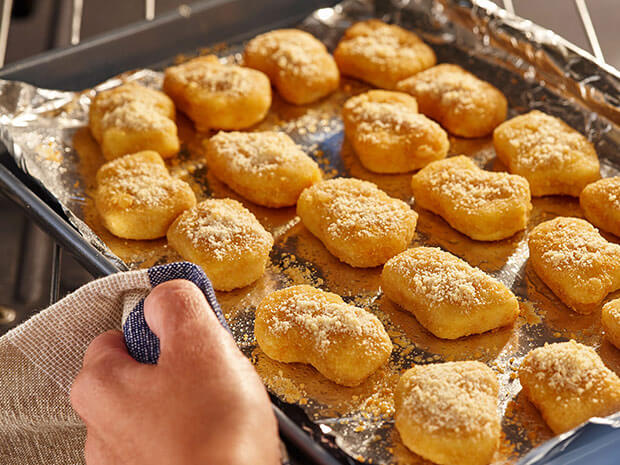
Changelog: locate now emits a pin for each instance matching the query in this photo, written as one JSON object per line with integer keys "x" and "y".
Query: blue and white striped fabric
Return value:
{"x": 141, "y": 343}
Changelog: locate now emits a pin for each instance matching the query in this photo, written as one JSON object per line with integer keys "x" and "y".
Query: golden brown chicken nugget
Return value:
{"x": 447, "y": 412}
{"x": 484, "y": 205}
{"x": 225, "y": 239}
{"x": 552, "y": 156}
{"x": 463, "y": 104}
{"x": 137, "y": 198}
{"x": 346, "y": 344}
{"x": 108, "y": 100}
{"x": 382, "y": 54}
{"x": 297, "y": 63}
{"x": 216, "y": 95}
{"x": 356, "y": 221}
{"x": 135, "y": 127}
{"x": 578, "y": 264}
{"x": 610, "y": 320}
{"x": 569, "y": 384}
{"x": 267, "y": 168}
{"x": 600, "y": 202}
{"x": 449, "y": 297}
{"x": 389, "y": 135}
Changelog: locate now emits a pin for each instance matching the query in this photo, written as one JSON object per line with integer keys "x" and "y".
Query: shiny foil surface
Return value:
{"x": 46, "y": 132}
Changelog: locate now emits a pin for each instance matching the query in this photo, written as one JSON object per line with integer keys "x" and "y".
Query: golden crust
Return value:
{"x": 447, "y": 412}
{"x": 135, "y": 127}
{"x": 346, "y": 344}
{"x": 131, "y": 118}
{"x": 297, "y": 64}
{"x": 575, "y": 261}
{"x": 463, "y": 104}
{"x": 389, "y": 135}
{"x": 137, "y": 198}
{"x": 610, "y": 320}
{"x": 449, "y": 297}
{"x": 569, "y": 384}
{"x": 108, "y": 100}
{"x": 484, "y": 205}
{"x": 600, "y": 202}
{"x": 552, "y": 156}
{"x": 225, "y": 239}
{"x": 356, "y": 221}
{"x": 216, "y": 95}
{"x": 382, "y": 54}
{"x": 267, "y": 168}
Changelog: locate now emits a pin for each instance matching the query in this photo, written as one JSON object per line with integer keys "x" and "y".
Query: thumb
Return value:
{"x": 178, "y": 313}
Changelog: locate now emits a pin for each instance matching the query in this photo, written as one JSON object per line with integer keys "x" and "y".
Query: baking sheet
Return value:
{"x": 45, "y": 132}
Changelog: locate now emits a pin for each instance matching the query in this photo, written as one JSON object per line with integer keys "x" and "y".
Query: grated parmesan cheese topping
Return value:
{"x": 107, "y": 100}
{"x": 440, "y": 276}
{"x": 542, "y": 141}
{"x": 135, "y": 116}
{"x": 110, "y": 99}
{"x": 147, "y": 184}
{"x": 256, "y": 152}
{"x": 472, "y": 188}
{"x": 571, "y": 244}
{"x": 453, "y": 396}
{"x": 224, "y": 228}
{"x": 383, "y": 46}
{"x": 359, "y": 208}
{"x": 326, "y": 322}
{"x": 448, "y": 85}
{"x": 567, "y": 367}
{"x": 216, "y": 77}
{"x": 293, "y": 52}
{"x": 372, "y": 116}
{"x": 608, "y": 189}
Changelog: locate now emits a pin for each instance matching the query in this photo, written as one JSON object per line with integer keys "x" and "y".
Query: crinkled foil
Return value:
{"x": 45, "y": 131}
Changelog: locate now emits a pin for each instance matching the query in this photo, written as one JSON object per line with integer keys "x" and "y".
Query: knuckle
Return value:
{"x": 175, "y": 303}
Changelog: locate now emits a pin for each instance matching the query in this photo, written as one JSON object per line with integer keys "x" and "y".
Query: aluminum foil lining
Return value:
{"x": 45, "y": 132}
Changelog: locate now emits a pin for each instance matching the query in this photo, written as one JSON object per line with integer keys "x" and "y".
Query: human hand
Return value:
{"x": 202, "y": 403}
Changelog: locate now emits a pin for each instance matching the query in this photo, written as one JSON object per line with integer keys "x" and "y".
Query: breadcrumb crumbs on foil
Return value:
{"x": 46, "y": 133}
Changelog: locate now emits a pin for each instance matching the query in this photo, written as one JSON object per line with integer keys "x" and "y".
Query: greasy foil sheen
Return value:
{"x": 45, "y": 132}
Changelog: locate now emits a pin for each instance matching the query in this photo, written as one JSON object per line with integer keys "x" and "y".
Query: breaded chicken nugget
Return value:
{"x": 463, "y": 104}
{"x": 346, "y": 344}
{"x": 600, "y": 202}
{"x": 137, "y": 198}
{"x": 267, "y": 168}
{"x": 297, "y": 63}
{"x": 578, "y": 264}
{"x": 225, "y": 239}
{"x": 610, "y": 320}
{"x": 216, "y": 95}
{"x": 389, "y": 135}
{"x": 552, "y": 156}
{"x": 135, "y": 127}
{"x": 484, "y": 205}
{"x": 356, "y": 221}
{"x": 108, "y": 100}
{"x": 382, "y": 54}
{"x": 449, "y": 297}
{"x": 447, "y": 412}
{"x": 569, "y": 384}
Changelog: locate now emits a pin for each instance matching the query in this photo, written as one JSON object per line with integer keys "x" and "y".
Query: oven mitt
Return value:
{"x": 40, "y": 359}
